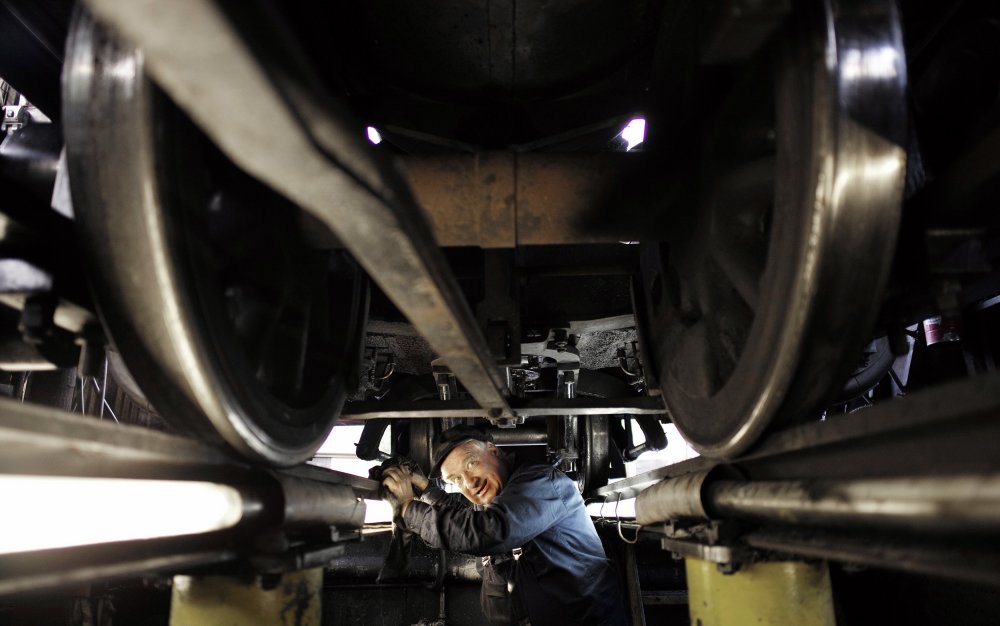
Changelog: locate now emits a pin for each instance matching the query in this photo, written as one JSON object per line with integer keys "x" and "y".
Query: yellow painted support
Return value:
{"x": 761, "y": 594}
{"x": 230, "y": 601}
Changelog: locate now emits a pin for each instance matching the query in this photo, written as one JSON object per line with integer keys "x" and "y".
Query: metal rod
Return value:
{"x": 104, "y": 385}
{"x": 966, "y": 503}
{"x": 112, "y": 413}
{"x": 952, "y": 503}
{"x": 521, "y": 407}
{"x": 104, "y": 402}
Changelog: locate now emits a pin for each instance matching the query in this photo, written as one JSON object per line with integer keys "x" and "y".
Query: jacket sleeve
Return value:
{"x": 527, "y": 506}
{"x": 436, "y": 496}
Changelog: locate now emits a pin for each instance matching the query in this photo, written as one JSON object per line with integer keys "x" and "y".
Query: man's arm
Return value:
{"x": 525, "y": 508}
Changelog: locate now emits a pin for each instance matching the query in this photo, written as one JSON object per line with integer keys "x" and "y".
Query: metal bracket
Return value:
{"x": 713, "y": 541}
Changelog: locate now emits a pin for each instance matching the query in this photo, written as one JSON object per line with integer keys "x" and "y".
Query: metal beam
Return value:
{"x": 243, "y": 80}
{"x": 539, "y": 407}
{"x": 508, "y": 199}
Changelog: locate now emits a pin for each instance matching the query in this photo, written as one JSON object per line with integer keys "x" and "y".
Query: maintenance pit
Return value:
{"x": 731, "y": 268}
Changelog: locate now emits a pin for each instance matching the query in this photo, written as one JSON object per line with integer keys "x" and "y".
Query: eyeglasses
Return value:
{"x": 458, "y": 480}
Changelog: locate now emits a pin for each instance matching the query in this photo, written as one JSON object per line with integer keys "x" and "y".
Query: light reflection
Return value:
{"x": 46, "y": 512}
{"x": 878, "y": 63}
{"x": 377, "y": 511}
{"x": 634, "y": 133}
{"x": 873, "y": 172}
{"x": 374, "y": 136}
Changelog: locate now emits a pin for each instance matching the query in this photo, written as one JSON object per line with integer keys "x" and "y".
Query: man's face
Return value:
{"x": 476, "y": 469}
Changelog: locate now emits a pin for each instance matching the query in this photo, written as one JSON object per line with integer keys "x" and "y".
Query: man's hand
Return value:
{"x": 419, "y": 481}
{"x": 400, "y": 482}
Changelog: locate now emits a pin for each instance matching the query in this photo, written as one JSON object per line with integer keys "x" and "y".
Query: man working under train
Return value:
{"x": 543, "y": 562}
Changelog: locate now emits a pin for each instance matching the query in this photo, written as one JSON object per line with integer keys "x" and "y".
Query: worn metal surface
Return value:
{"x": 721, "y": 555}
{"x": 73, "y": 567}
{"x": 309, "y": 153}
{"x": 209, "y": 600}
{"x": 317, "y": 503}
{"x": 47, "y": 442}
{"x": 777, "y": 594}
{"x": 672, "y": 499}
{"x": 41, "y": 440}
{"x": 633, "y": 486}
{"x": 508, "y": 199}
{"x": 955, "y": 424}
{"x": 520, "y": 407}
{"x": 843, "y": 489}
{"x": 470, "y": 200}
{"x": 759, "y": 313}
{"x": 957, "y": 504}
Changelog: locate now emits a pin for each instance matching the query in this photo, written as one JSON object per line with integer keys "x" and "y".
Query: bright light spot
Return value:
{"x": 45, "y": 512}
{"x": 374, "y": 136}
{"x": 877, "y": 63}
{"x": 634, "y": 133}
{"x": 377, "y": 511}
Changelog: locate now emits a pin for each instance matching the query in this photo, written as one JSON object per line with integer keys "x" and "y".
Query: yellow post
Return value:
{"x": 760, "y": 594}
{"x": 230, "y": 601}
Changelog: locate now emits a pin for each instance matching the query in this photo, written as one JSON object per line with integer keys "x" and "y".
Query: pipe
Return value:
{"x": 930, "y": 503}
{"x": 671, "y": 499}
{"x": 950, "y": 503}
{"x": 311, "y": 502}
{"x": 525, "y": 434}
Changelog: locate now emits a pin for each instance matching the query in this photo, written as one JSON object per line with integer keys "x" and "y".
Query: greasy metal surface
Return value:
{"x": 44, "y": 441}
{"x": 314, "y": 503}
{"x": 633, "y": 486}
{"x": 672, "y": 499}
{"x": 520, "y": 407}
{"x": 310, "y": 154}
{"x": 718, "y": 554}
{"x": 553, "y": 191}
{"x": 746, "y": 334}
{"x": 955, "y": 424}
{"x": 321, "y": 474}
{"x": 212, "y": 600}
{"x": 958, "y": 504}
{"x": 61, "y": 569}
{"x": 769, "y": 594}
{"x": 507, "y": 199}
{"x": 470, "y": 200}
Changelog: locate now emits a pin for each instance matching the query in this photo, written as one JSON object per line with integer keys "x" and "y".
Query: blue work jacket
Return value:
{"x": 562, "y": 576}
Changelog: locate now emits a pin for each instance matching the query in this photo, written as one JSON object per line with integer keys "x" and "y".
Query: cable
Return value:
{"x": 637, "y": 528}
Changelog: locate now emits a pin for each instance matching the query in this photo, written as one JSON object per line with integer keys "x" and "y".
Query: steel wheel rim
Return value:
{"x": 837, "y": 196}
{"x": 179, "y": 349}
